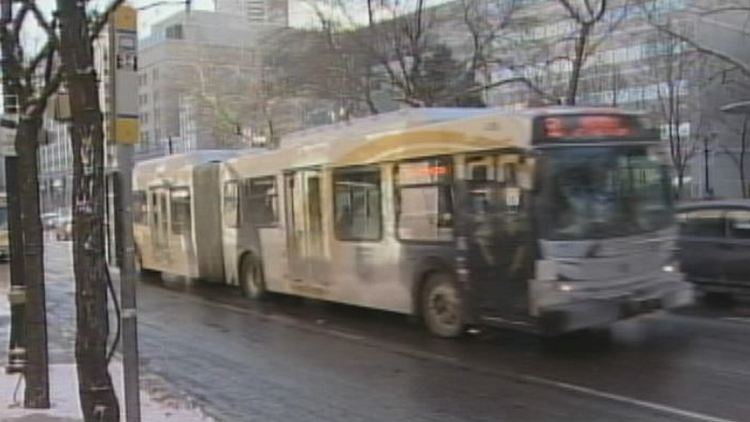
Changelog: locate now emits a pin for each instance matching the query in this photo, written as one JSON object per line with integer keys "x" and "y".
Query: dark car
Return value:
{"x": 715, "y": 245}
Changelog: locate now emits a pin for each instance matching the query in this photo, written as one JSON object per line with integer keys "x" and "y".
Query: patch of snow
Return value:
{"x": 66, "y": 405}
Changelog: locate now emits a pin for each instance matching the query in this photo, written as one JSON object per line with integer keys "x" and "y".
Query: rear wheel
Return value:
{"x": 251, "y": 278}
{"x": 145, "y": 274}
{"x": 443, "y": 306}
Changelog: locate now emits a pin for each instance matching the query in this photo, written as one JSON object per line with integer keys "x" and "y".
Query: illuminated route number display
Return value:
{"x": 595, "y": 127}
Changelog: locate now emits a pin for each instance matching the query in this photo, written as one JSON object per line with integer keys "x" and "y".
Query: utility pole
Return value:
{"x": 17, "y": 296}
{"x": 707, "y": 184}
{"x": 124, "y": 132}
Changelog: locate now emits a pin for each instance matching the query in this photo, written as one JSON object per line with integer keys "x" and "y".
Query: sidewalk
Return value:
{"x": 65, "y": 405}
{"x": 155, "y": 407}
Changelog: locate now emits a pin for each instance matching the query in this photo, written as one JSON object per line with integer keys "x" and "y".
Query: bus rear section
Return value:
{"x": 177, "y": 219}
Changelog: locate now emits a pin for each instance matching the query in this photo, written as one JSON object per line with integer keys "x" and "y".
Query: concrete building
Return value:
{"x": 256, "y": 11}
{"x": 191, "y": 74}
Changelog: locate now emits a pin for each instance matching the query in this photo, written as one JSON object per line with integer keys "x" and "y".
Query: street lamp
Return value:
{"x": 739, "y": 109}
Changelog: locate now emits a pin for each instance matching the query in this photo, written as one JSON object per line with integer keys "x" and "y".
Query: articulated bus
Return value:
{"x": 551, "y": 220}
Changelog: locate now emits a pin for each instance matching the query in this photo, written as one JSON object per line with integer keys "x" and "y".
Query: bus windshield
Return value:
{"x": 603, "y": 191}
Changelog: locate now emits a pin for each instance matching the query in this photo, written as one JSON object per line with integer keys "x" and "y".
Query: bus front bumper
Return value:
{"x": 591, "y": 312}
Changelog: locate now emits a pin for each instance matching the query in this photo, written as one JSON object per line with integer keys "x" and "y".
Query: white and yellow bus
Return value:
{"x": 550, "y": 220}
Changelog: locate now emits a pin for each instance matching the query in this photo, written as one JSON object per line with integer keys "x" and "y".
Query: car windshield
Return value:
{"x": 596, "y": 192}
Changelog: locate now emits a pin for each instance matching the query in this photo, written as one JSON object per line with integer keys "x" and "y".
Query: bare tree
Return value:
{"x": 670, "y": 69}
{"x": 78, "y": 30}
{"x": 586, "y": 17}
{"x": 721, "y": 15}
{"x": 736, "y": 62}
{"x": 29, "y": 77}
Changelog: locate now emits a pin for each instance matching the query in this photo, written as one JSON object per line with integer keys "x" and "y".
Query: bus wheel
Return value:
{"x": 443, "y": 306}
{"x": 253, "y": 285}
{"x": 143, "y": 273}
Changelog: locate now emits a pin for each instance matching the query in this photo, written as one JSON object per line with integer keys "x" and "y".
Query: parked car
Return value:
{"x": 49, "y": 220}
{"x": 715, "y": 246}
{"x": 64, "y": 228}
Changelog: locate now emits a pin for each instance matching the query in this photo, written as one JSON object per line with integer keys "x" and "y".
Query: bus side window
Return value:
{"x": 424, "y": 199}
{"x": 180, "y": 209}
{"x": 152, "y": 208}
{"x": 357, "y": 207}
{"x": 231, "y": 200}
{"x": 259, "y": 205}
{"x": 140, "y": 207}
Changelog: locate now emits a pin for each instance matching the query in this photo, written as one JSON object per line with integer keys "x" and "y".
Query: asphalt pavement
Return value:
{"x": 295, "y": 360}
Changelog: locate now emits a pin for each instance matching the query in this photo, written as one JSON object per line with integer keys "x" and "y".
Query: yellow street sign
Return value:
{"x": 126, "y": 130}
{"x": 126, "y": 17}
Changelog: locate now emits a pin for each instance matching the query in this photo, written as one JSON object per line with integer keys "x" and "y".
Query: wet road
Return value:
{"x": 293, "y": 360}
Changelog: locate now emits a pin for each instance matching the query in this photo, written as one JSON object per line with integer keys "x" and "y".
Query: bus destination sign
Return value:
{"x": 590, "y": 128}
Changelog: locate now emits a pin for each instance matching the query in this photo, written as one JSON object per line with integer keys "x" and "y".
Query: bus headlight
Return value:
{"x": 669, "y": 268}
{"x": 565, "y": 287}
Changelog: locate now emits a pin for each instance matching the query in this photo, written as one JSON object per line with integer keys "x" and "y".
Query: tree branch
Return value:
{"x": 48, "y": 27}
{"x": 721, "y": 55}
{"x": 102, "y": 20}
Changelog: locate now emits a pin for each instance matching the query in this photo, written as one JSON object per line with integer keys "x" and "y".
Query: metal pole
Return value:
{"x": 127, "y": 287}
{"x": 17, "y": 296}
{"x": 705, "y": 166}
{"x": 124, "y": 103}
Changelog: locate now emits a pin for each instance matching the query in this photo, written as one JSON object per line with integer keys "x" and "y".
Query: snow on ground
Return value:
{"x": 65, "y": 404}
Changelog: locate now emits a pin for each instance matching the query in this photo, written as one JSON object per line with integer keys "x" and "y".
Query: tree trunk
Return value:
{"x": 98, "y": 400}
{"x": 37, "y": 383}
{"x": 743, "y": 148}
{"x": 28, "y": 321}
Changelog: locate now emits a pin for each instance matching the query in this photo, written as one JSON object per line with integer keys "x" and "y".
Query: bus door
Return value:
{"x": 304, "y": 225}
{"x": 500, "y": 247}
{"x": 159, "y": 223}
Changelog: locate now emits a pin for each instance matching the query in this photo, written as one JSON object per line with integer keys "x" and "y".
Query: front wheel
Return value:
{"x": 253, "y": 285}
{"x": 443, "y": 306}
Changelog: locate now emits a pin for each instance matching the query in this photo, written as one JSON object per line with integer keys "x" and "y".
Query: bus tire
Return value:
{"x": 251, "y": 279}
{"x": 442, "y": 306}
{"x": 143, "y": 273}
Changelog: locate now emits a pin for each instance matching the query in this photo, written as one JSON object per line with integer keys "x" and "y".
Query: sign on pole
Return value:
{"x": 126, "y": 128}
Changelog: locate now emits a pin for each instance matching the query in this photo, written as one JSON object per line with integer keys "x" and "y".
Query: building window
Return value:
{"x": 357, "y": 203}
{"x": 424, "y": 199}
{"x": 174, "y": 32}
